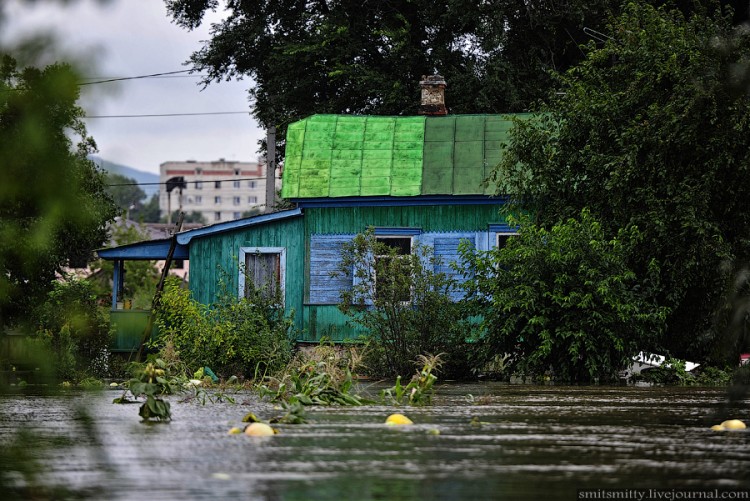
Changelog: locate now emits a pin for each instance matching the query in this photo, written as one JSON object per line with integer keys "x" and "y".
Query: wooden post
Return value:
{"x": 160, "y": 287}
{"x": 270, "y": 170}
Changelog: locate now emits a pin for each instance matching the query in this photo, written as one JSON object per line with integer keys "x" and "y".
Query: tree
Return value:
{"x": 125, "y": 192}
{"x": 565, "y": 300}
{"x": 53, "y": 203}
{"x": 345, "y": 56}
{"x": 190, "y": 217}
{"x": 650, "y": 132}
{"x": 148, "y": 212}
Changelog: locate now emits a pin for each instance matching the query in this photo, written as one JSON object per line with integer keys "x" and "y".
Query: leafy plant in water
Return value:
{"x": 321, "y": 378}
{"x": 420, "y": 389}
{"x": 151, "y": 380}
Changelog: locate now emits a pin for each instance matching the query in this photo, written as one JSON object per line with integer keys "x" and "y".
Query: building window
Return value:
{"x": 237, "y": 215}
{"x": 237, "y": 173}
{"x": 236, "y": 200}
{"x": 217, "y": 216}
{"x": 262, "y": 269}
{"x": 199, "y": 185}
{"x": 217, "y": 184}
{"x": 251, "y": 184}
{"x": 198, "y": 200}
{"x": 217, "y": 199}
{"x": 236, "y": 184}
{"x": 198, "y": 171}
{"x": 391, "y": 263}
{"x": 252, "y": 200}
{"x": 502, "y": 239}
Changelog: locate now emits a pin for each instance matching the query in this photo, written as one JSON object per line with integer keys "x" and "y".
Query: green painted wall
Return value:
{"x": 216, "y": 257}
{"x": 211, "y": 255}
{"x": 428, "y": 218}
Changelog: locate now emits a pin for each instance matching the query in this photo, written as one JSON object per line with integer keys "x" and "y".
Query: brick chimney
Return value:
{"x": 433, "y": 95}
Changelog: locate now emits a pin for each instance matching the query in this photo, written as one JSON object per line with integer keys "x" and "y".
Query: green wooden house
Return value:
{"x": 413, "y": 179}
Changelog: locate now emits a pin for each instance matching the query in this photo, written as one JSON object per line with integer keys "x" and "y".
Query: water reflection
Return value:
{"x": 529, "y": 443}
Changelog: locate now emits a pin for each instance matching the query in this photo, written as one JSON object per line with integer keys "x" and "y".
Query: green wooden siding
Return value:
{"x": 428, "y": 218}
{"x": 216, "y": 258}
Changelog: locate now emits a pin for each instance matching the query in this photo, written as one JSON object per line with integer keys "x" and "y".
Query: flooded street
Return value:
{"x": 478, "y": 441}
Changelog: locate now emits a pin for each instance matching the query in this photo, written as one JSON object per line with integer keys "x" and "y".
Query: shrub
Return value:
{"x": 237, "y": 336}
{"x": 405, "y": 308}
{"x": 564, "y": 301}
{"x": 75, "y": 330}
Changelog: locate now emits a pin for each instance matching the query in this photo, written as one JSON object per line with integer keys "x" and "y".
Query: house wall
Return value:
{"x": 215, "y": 258}
{"x": 441, "y": 227}
{"x": 313, "y": 243}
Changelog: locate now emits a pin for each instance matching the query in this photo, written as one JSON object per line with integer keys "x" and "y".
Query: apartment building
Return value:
{"x": 221, "y": 190}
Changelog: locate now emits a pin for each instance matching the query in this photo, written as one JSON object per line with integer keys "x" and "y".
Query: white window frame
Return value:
{"x": 263, "y": 250}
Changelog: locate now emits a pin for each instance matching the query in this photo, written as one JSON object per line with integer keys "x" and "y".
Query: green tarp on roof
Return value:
{"x": 344, "y": 155}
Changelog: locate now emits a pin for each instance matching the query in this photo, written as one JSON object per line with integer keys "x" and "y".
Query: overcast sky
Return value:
{"x": 124, "y": 38}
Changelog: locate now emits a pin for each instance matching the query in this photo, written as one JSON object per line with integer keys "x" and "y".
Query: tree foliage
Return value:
{"x": 125, "y": 192}
{"x": 342, "y": 56}
{"x": 650, "y": 131}
{"x": 53, "y": 203}
{"x": 564, "y": 300}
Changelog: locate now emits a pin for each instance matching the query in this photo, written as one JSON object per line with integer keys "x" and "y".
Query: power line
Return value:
{"x": 193, "y": 181}
{"x": 172, "y": 114}
{"x": 138, "y": 77}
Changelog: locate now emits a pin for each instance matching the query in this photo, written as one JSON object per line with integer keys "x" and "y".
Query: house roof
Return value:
{"x": 352, "y": 156}
{"x": 158, "y": 249}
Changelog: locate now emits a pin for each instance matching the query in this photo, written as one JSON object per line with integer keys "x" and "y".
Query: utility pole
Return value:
{"x": 270, "y": 169}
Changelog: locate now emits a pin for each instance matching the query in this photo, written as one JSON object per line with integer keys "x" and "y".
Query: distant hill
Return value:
{"x": 124, "y": 170}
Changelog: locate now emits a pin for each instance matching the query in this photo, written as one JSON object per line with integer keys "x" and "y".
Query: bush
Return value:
{"x": 564, "y": 301}
{"x": 234, "y": 336}
{"x": 405, "y": 308}
{"x": 75, "y": 330}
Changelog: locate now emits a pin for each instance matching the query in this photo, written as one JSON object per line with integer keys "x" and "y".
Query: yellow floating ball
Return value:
{"x": 234, "y": 431}
{"x": 718, "y": 427}
{"x": 734, "y": 424}
{"x": 397, "y": 420}
{"x": 259, "y": 430}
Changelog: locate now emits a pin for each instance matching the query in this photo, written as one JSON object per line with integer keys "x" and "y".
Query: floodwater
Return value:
{"x": 532, "y": 442}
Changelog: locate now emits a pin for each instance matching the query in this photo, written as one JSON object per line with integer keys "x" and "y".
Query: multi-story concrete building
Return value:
{"x": 221, "y": 190}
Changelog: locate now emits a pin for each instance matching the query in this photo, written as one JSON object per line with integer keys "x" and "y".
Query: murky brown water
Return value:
{"x": 535, "y": 443}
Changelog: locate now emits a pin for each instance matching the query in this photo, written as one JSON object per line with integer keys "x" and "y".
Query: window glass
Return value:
{"x": 392, "y": 274}
{"x": 199, "y": 185}
{"x": 217, "y": 184}
{"x": 502, "y": 239}
{"x": 263, "y": 270}
{"x": 236, "y": 184}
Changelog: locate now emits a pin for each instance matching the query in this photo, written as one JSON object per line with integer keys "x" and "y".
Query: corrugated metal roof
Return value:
{"x": 345, "y": 155}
